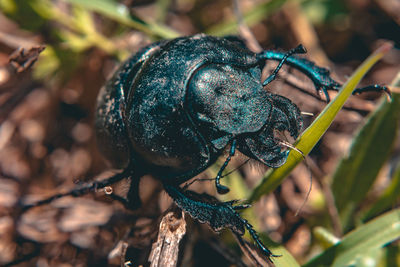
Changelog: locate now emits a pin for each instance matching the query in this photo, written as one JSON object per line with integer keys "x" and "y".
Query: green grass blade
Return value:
{"x": 120, "y": 13}
{"x": 286, "y": 259}
{"x": 387, "y": 199}
{"x": 325, "y": 238}
{"x": 392, "y": 256}
{"x": 391, "y": 193}
{"x": 369, "y": 151}
{"x": 252, "y": 17}
{"x": 314, "y": 132}
{"x": 361, "y": 242}
{"x": 240, "y": 191}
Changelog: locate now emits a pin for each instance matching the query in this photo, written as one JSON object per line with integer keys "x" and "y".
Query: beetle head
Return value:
{"x": 263, "y": 145}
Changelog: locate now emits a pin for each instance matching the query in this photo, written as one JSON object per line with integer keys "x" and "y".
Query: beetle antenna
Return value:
{"x": 300, "y": 49}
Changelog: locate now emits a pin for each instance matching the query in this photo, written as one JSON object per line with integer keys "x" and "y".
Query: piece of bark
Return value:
{"x": 22, "y": 59}
{"x": 165, "y": 250}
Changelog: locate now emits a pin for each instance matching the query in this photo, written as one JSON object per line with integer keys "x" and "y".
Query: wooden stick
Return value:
{"x": 165, "y": 250}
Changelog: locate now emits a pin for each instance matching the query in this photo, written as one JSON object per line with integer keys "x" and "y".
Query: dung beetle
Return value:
{"x": 175, "y": 106}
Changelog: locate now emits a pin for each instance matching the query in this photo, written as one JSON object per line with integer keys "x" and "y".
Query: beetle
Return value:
{"x": 175, "y": 106}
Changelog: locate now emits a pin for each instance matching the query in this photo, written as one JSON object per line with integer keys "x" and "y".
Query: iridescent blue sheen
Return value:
{"x": 174, "y": 107}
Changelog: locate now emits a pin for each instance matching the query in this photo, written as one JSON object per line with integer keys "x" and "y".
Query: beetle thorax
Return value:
{"x": 227, "y": 99}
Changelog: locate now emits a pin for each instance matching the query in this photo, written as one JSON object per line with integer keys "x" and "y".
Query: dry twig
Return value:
{"x": 22, "y": 59}
{"x": 165, "y": 250}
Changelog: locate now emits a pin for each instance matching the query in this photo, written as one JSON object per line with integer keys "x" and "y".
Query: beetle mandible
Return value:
{"x": 173, "y": 107}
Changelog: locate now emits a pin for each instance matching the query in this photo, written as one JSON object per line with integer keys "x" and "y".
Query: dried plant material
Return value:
{"x": 82, "y": 213}
{"x": 244, "y": 29}
{"x": 8, "y": 193}
{"x": 41, "y": 226}
{"x": 305, "y": 32}
{"x": 118, "y": 253}
{"x": 22, "y": 59}
{"x": 251, "y": 252}
{"x": 7, "y": 245}
{"x": 165, "y": 251}
{"x": 391, "y": 7}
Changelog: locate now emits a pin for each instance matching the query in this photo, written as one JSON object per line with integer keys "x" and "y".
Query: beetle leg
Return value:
{"x": 300, "y": 49}
{"x": 318, "y": 75}
{"x": 221, "y": 188}
{"x": 81, "y": 189}
{"x": 373, "y": 88}
{"x": 217, "y": 215}
{"x": 132, "y": 200}
{"x": 241, "y": 207}
{"x": 257, "y": 240}
{"x": 357, "y": 91}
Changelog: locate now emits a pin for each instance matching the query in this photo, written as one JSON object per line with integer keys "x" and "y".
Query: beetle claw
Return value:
{"x": 222, "y": 189}
{"x": 241, "y": 207}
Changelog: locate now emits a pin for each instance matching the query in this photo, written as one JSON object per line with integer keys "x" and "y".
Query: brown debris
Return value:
{"x": 22, "y": 59}
{"x": 165, "y": 250}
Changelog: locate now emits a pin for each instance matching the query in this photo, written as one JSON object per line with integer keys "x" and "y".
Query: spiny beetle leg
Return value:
{"x": 221, "y": 188}
{"x": 237, "y": 207}
{"x": 258, "y": 242}
{"x": 300, "y": 49}
{"x": 218, "y": 215}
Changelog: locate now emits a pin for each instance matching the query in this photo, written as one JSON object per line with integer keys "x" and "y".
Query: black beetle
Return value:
{"x": 173, "y": 107}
